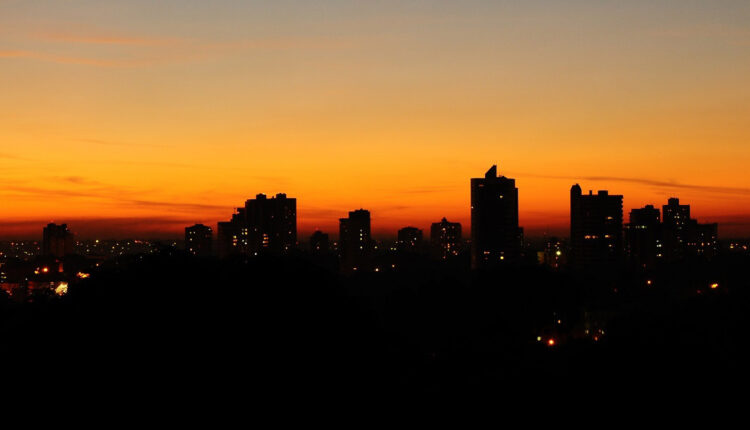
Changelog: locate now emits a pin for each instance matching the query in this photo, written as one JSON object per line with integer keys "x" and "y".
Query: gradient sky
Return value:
{"x": 135, "y": 118}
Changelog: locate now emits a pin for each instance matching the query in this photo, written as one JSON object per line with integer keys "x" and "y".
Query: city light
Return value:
{"x": 61, "y": 289}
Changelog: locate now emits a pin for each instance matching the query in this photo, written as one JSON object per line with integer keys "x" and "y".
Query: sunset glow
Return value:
{"x": 144, "y": 118}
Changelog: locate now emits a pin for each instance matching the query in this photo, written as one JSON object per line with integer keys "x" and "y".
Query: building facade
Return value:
{"x": 57, "y": 240}
{"x": 263, "y": 226}
{"x": 684, "y": 236}
{"x": 595, "y": 228}
{"x": 495, "y": 235}
{"x": 355, "y": 241}
{"x": 643, "y": 237}
{"x": 199, "y": 240}
{"x": 409, "y": 239}
{"x": 445, "y": 239}
{"x": 319, "y": 243}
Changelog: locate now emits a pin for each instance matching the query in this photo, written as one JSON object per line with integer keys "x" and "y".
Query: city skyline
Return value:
{"x": 142, "y": 121}
{"x": 389, "y": 199}
{"x": 255, "y": 225}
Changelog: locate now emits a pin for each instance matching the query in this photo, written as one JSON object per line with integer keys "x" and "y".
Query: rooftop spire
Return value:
{"x": 492, "y": 173}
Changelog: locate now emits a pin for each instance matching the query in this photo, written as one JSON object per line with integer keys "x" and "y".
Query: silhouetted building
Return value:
{"x": 57, "y": 240}
{"x": 199, "y": 240}
{"x": 676, "y": 225}
{"x": 643, "y": 236}
{"x": 595, "y": 228}
{"x": 409, "y": 239}
{"x": 703, "y": 239}
{"x": 355, "y": 241}
{"x": 684, "y": 236}
{"x": 495, "y": 236}
{"x": 229, "y": 238}
{"x": 319, "y": 243}
{"x": 263, "y": 226}
{"x": 445, "y": 238}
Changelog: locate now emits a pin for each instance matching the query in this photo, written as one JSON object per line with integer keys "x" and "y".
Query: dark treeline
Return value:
{"x": 291, "y": 326}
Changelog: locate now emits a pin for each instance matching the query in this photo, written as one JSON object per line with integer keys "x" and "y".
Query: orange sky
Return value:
{"x": 138, "y": 119}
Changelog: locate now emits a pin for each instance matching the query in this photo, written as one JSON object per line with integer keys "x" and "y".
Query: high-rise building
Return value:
{"x": 319, "y": 243}
{"x": 643, "y": 236}
{"x": 595, "y": 228}
{"x": 232, "y": 235}
{"x": 704, "y": 239}
{"x": 355, "y": 241}
{"x": 199, "y": 240}
{"x": 57, "y": 240}
{"x": 263, "y": 226}
{"x": 676, "y": 226}
{"x": 684, "y": 236}
{"x": 445, "y": 238}
{"x": 409, "y": 239}
{"x": 495, "y": 236}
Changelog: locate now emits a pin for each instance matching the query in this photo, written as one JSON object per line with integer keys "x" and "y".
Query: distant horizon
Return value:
{"x": 173, "y": 228}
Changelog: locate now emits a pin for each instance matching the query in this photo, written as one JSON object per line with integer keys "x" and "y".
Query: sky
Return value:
{"x": 138, "y": 118}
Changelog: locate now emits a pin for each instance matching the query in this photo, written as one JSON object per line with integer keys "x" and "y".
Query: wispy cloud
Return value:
{"x": 84, "y": 188}
{"x": 429, "y": 190}
{"x": 9, "y": 156}
{"x": 79, "y": 180}
{"x": 66, "y": 59}
{"x": 131, "y": 51}
{"x": 103, "y": 39}
{"x": 670, "y": 185}
{"x": 116, "y": 143}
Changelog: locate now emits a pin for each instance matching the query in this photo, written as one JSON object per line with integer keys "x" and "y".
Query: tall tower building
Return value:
{"x": 676, "y": 228}
{"x": 445, "y": 238}
{"x": 684, "y": 236}
{"x": 495, "y": 236}
{"x": 57, "y": 240}
{"x": 199, "y": 240}
{"x": 595, "y": 228}
{"x": 262, "y": 226}
{"x": 272, "y": 223}
{"x": 643, "y": 236}
{"x": 355, "y": 241}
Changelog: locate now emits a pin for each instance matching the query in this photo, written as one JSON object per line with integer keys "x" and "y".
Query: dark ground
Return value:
{"x": 172, "y": 325}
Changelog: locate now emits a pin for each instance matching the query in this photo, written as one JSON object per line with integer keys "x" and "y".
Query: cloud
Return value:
{"x": 429, "y": 190}
{"x": 119, "y": 196}
{"x": 115, "y": 143}
{"x": 9, "y": 156}
{"x": 179, "y": 206}
{"x": 64, "y": 59}
{"x": 672, "y": 185}
{"x": 103, "y": 39}
{"x": 127, "y": 51}
{"x": 79, "y": 180}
